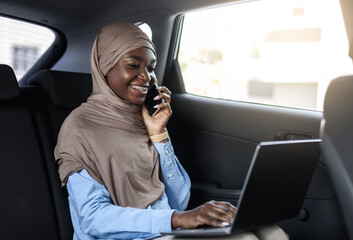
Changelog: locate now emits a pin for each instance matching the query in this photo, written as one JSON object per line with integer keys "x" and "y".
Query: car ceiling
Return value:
{"x": 74, "y": 16}
{"x": 80, "y": 20}
{"x": 69, "y": 16}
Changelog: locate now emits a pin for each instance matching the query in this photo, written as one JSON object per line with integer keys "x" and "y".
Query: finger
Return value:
{"x": 216, "y": 213}
{"x": 226, "y": 211}
{"x": 215, "y": 223}
{"x": 165, "y": 107}
{"x": 227, "y": 205}
{"x": 164, "y": 89}
{"x": 163, "y": 96}
{"x": 220, "y": 211}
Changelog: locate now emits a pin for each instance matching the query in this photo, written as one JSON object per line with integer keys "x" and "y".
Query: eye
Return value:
{"x": 151, "y": 69}
{"x": 134, "y": 65}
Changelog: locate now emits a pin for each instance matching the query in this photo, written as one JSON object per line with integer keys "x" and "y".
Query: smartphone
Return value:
{"x": 150, "y": 102}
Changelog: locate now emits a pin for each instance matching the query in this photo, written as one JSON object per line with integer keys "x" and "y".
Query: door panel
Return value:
{"x": 215, "y": 141}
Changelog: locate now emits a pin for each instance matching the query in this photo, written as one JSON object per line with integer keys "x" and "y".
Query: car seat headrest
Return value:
{"x": 338, "y": 111}
{"x": 65, "y": 89}
{"x": 8, "y": 83}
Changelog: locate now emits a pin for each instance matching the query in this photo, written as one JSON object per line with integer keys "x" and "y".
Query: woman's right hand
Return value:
{"x": 157, "y": 124}
{"x": 213, "y": 213}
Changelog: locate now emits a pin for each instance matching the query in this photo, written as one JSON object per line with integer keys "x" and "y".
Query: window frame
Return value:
{"x": 50, "y": 56}
{"x": 177, "y": 82}
{"x": 173, "y": 77}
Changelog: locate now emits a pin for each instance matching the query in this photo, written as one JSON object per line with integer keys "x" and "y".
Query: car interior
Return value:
{"x": 214, "y": 136}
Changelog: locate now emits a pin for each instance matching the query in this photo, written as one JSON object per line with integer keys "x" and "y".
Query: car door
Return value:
{"x": 215, "y": 139}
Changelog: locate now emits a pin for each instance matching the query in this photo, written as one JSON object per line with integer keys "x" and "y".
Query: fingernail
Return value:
{"x": 156, "y": 97}
{"x": 225, "y": 224}
{"x": 155, "y": 106}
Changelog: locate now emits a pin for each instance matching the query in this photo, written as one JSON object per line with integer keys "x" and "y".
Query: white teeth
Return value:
{"x": 141, "y": 89}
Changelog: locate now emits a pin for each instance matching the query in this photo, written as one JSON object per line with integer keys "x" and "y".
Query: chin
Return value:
{"x": 137, "y": 101}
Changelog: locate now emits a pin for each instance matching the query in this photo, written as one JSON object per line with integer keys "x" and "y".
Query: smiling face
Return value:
{"x": 132, "y": 75}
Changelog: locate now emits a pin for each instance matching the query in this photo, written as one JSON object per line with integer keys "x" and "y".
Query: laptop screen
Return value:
{"x": 277, "y": 181}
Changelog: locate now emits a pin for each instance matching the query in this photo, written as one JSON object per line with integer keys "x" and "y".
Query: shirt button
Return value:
{"x": 170, "y": 175}
{"x": 166, "y": 151}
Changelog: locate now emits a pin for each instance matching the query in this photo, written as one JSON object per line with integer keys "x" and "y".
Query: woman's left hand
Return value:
{"x": 157, "y": 124}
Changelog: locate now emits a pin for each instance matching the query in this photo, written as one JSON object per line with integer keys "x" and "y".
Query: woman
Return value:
{"x": 117, "y": 161}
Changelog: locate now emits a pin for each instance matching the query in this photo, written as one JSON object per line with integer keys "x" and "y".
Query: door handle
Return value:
{"x": 283, "y": 135}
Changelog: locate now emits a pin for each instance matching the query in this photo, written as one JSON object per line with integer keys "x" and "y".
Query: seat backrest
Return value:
{"x": 65, "y": 91}
{"x": 337, "y": 145}
{"x": 26, "y": 207}
{"x": 52, "y": 95}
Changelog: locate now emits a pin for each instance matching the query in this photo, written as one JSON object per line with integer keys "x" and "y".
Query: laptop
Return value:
{"x": 274, "y": 189}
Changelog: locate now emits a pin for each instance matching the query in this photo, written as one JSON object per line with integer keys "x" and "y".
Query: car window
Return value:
{"x": 22, "y": 44}
{"x": 146, "y": 29}
{"x": 244, "y": 52}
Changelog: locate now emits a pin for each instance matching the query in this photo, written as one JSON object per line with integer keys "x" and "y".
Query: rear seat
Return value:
{"x": 26, "y": 206}
{"x": 64, "y": 92}
{"x": 57, "y": 94}
{"x": 33, "y": 204}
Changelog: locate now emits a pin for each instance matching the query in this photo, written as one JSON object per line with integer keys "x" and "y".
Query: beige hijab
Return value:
{"x": 107, "y": 136}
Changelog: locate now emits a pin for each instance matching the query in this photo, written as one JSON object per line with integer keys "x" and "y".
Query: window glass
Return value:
{"x": 272, "y": 52}
{"x": 22, "y": 44}
{"x": 146, "y": 29}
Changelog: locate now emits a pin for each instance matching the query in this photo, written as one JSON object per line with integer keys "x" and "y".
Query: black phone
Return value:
{"x": 149, "y": 100}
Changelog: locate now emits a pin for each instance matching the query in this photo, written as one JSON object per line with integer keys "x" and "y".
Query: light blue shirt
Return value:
{"x": 94, "y": 216}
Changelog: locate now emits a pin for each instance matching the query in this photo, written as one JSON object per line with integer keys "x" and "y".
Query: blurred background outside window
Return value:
{"x": 22, "y": 44}
{"x": 272, "y": 52}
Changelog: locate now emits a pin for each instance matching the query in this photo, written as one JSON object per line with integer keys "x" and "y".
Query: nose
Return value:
{"x": 145, "y": 75}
